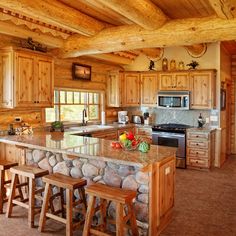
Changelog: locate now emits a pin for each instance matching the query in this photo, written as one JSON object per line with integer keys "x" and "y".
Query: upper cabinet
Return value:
{"x": 113, "y": 89}
{"x": 149, "y": 88}
{"x": 6, "y": 80}
{"x": 33, "y": 76}
{"x": 174, "y": 81}
{"x": 131, "y": 89}
{"x": 203, "y": 89}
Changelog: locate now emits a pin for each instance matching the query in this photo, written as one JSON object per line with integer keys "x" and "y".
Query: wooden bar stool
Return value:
{"x": 4, "y": 165}
{"x": 32, "y": 173}
{"x": 121, "y": 197}
{"x": 70, "y": 184}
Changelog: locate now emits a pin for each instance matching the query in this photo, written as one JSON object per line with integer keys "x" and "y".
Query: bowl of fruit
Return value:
{"x": 128, "y": 141}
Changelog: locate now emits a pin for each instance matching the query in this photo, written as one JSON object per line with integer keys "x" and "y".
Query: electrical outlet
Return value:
{"x": 207, "y": 120}
{"x": 18, "y": 119}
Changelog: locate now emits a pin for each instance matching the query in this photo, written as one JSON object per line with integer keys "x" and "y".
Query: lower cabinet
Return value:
{"x": 109, "y": 135}
{"x": 200, "y": 148}
{"x": 144, "y": 133}
{"x": 167, "y": 181}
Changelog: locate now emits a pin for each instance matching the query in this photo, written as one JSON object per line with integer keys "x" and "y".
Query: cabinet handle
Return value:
{"x": 197, "y": 136}
{"x": 197, "y": 153}
{"x": 37, "y": 101}
{"x": 197, "y": 144}
{"x": 34, "y": 101}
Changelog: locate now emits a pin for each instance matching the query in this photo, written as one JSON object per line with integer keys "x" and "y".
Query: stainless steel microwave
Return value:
{"x": 173, "y": 99}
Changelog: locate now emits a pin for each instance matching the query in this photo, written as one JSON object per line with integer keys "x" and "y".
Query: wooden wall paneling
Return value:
{"x": 233, "y": 105}
{"x": 33, "y": 117}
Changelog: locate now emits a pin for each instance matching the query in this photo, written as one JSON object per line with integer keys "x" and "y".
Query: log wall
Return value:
{"x": 233, "y": 106}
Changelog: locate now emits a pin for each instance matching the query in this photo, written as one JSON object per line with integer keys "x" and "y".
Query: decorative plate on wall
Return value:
{"x": 197, "y": 50}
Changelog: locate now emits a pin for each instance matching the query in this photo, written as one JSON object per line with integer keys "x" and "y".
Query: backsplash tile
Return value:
{"x": 189, "y": 117}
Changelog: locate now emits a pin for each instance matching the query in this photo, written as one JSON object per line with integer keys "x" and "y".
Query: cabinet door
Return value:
{"x": 113, "y": 90}
{"x": 43, "y": 83}
{"x": 6, "y": 80}
{"x": 182, "y": 81}
{"x": 202, "y": 90}
{"x": 131, "y": 89}
{"x": 149, "y": 89}
{"x": 24, "y": 79}
{"x": 167, "y": 180}
{"x": 167, "y": 81}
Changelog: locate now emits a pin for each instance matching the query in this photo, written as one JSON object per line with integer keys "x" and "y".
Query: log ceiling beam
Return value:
{"x": 17, "y": 31}
{"x": 112, "y": 58}
{"x": 224, "y": 9}
{"x": 174, "y": 33}
{"x": 143, "y": 12}
{"x": 56, "y": 13}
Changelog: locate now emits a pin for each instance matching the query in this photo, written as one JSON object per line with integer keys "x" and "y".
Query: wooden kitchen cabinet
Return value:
{"x": 149, "y": 89}
{"x": 122, "y": 130}
{"x": 203, "y": 89}
{"x": 6, "y": 80}
{"x": 109, "y": 135}
{"x": 167, "y": 185}
{"x": 145, "y": 133}
{"x": 200, "y": 148}
{"x": 174, "y": 81}
{"x": 33, "y": 75}
{"x": 114, "y": 89}
{"x": 131, "y": 89}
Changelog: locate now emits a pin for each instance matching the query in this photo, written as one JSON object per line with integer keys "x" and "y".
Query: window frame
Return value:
{"x": 100, "y": 105}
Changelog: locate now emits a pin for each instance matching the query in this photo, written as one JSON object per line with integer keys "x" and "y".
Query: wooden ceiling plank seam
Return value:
{"x": 142, "y": 12}
{"x": 183, "y": 32}
{"x": 224, "y": 9}
{"x": 50, "y": 11}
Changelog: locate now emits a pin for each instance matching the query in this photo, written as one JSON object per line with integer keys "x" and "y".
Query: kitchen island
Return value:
{"x": 150, "y": 174}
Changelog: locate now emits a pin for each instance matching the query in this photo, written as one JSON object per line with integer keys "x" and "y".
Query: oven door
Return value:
{"x": 172, "y": 140}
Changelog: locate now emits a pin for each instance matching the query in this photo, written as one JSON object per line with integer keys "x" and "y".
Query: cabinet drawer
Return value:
{"x": 197, "y": 135}
{"x": 197, "y": 144}
{"x": 198, "y": 162}
{"x": 201, "y": 153}
{"x": 144, "y": 131}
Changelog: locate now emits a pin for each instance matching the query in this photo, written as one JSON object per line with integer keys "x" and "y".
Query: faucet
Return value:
{"x": 84, "y": 115}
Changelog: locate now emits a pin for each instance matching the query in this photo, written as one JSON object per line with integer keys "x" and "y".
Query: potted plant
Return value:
{"x": 192, "y": 65}
{"x": 57, "y": 126}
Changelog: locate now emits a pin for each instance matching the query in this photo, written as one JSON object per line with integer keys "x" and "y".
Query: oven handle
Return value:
{"x": 164, "y": 135}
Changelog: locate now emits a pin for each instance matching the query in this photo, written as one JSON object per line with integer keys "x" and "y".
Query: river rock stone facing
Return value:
{"x": 96, "y": 171}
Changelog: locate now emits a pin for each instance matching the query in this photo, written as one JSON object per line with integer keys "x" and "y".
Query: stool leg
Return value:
{"x": 42, "y": 220}
{"x": 31, "y": 202}
{"x": 69, "y": 208}
{"x": 133, "y": 222}
{"x": 119, "y": 219}
{"x": 19, "y": 188}
{"x": 62, "y": 203}
{"x": 12, "y": 195}
{"x": 103, "y": 208}
{"x": 83, "y": 198}
{"x": 2, "y": 180}
{"x": 89, "y": 215}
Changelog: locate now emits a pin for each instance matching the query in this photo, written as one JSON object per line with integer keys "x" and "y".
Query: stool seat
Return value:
{"x": 123, "y": 200}
{"x": 64, "y": 181}
{"x": 110, "y": 193}
{"x": 31, "y": 173}
{"x": 28, "y": 171}
{"x": 69, "y": 184}
{"x": 5, "y": 165}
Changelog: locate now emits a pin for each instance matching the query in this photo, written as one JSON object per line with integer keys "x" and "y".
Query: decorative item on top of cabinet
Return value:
{"x": 174, "y": 81}
{"x": 131, "y": 89}
{"x": 113, "y": 89}
{"x": 33, "y": 75}
{"x": 203, "y": 89}
{"x": 149, "y": 84}
{"x": 200, "y": 148}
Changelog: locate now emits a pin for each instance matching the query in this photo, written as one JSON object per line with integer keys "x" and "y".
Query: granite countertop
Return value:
{"x": 87, "y": 147}
{"x": 204, "y": 129}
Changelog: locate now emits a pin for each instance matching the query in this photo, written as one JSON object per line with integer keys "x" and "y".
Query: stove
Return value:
{"x": 172, "y": 135}
{"x": 171, "y": 127}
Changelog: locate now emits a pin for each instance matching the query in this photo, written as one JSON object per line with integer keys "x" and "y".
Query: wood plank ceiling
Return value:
{"x": 117, "y": 30}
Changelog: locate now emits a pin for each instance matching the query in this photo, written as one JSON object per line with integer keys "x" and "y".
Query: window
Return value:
{"x": 69, "y": 105}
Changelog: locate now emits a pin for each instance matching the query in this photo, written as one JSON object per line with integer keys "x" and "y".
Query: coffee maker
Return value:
{"x": 122, "y": 117}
